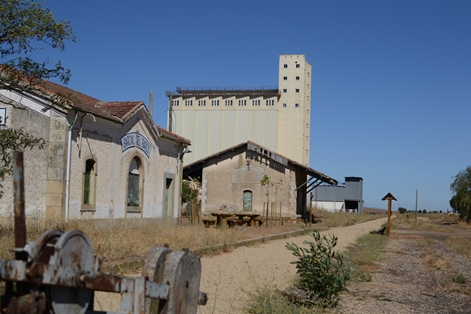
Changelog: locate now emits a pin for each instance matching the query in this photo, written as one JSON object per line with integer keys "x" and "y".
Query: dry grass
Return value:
{"x": 461, "y": 245}
{"x": 342, "y": 219}
{"x": 365, "y": 255}
{"x": 119, "y": 239}
{"x": 429, "y": 222}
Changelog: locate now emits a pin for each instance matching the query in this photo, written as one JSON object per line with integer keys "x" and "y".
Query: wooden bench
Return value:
{"x": 259, "y": 220}
{"x": 234, "y": 221}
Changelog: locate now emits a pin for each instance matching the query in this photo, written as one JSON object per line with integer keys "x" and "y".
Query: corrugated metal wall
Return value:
{"x": 352, "y": 191}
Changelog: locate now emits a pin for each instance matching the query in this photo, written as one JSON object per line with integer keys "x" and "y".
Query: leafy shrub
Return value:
{"x": 460, "y": 279}
{"x": 322, "y": 271}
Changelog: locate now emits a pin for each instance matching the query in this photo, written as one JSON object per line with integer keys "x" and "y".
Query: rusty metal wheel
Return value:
{"x": 72, "y": 249}
{"x": 45, "y": 246}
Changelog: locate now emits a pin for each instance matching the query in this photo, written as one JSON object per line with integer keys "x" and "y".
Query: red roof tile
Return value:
{"x": 120, "y": 108}
{"x": 167, "y": 134}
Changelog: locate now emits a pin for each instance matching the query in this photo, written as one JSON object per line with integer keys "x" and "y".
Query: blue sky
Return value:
{"x": 391, "y": 80}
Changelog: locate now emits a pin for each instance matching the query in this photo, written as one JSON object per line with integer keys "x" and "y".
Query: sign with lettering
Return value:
{"x": 136, "y": 140}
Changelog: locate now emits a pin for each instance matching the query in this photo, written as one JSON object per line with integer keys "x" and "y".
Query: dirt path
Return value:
{"x": 225, "y": 277}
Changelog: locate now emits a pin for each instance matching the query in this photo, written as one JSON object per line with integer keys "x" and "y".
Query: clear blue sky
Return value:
{"x": 391, "y": 80}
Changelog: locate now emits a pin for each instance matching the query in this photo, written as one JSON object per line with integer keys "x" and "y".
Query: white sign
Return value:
{"x": 137, "y": 140}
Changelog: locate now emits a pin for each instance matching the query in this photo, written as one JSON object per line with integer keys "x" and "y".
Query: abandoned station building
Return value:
{"x": 100, "y": 160}
{"x": 277, "y": 118}
{"x": 230, "y": 180}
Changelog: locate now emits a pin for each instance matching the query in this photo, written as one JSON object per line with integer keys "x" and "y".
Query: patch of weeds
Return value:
{"x": 267, "y": 300}
{"x": 459, "y": 279}
{"x": 364, "y": 254}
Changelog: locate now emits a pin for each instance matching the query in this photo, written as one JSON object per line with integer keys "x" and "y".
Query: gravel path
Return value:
{"x": 226, "y": 277}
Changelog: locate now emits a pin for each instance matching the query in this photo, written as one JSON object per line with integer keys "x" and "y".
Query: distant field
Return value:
{"x": 370, "y": 210}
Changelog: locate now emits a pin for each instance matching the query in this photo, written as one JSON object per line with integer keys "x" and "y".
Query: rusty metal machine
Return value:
{"x": 58, "y": 273}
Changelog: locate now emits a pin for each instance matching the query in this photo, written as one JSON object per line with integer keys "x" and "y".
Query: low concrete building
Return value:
{"x": 348, "y": 198}
{"x": 101, "y": 159}
{"x": 231, "y": 180}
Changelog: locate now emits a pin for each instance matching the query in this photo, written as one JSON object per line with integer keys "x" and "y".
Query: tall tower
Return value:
{"x": 276, "y": 117}
{"x": 294, "y": 105}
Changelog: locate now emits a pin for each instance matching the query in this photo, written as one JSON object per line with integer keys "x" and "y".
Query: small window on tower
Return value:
{"x": 285, "y": 66}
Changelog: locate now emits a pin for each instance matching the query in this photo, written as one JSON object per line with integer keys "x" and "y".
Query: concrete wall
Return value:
{"x": 330, "y": 206}
{"x": 212, "y": 129}
{"x": 35, "y": 161}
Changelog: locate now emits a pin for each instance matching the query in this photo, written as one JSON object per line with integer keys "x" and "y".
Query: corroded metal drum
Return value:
{"x": 73, "y": 249}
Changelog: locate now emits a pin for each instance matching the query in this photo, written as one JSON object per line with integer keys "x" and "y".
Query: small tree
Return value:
{"x": 461, "y": 190}
{"x": 268, "y": 183}
{"x": 24, "y": 28}
{"x": 402, "y": 210}
{"x": 321, "y": 269}
{"x": 190, "y": 191}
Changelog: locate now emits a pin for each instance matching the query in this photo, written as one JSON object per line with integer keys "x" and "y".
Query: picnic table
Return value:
{"x": 253, "y": 217}
{"x": 223, "y": 217}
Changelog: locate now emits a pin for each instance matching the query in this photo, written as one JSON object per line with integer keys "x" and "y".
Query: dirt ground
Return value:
{"x": 417, "y": 275}
{"x": 227, "y": 277}
{"x": 422, "y": 273}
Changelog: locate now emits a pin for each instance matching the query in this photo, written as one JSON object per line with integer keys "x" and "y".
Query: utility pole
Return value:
{"x": 416, "y": 198}
{"x": 151, "y": 103}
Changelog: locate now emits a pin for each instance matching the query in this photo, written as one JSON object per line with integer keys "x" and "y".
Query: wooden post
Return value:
{"x": 281, "y": 217}
{"x": 389, "y": 197}
{"x": 200, "y": 215}
{"x": 310, "y": 210}
{"x": 193, "y": 212}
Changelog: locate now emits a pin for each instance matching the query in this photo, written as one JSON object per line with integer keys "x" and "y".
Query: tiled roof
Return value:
{"x": 111, "y": 110}
{"x": 120, "y": 108}
{"x": 172, "y": 136}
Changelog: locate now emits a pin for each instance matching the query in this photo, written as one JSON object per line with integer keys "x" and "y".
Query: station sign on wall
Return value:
{"x": 136, "y": 140}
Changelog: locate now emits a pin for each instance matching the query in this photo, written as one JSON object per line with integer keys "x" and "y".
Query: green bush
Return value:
{"x": 322, "y": 271}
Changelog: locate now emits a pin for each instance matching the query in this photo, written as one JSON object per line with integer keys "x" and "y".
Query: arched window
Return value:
{"x": 89, "y": 182}
{"x": 247, "y": 200}
{"x": 134, "y": 183}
